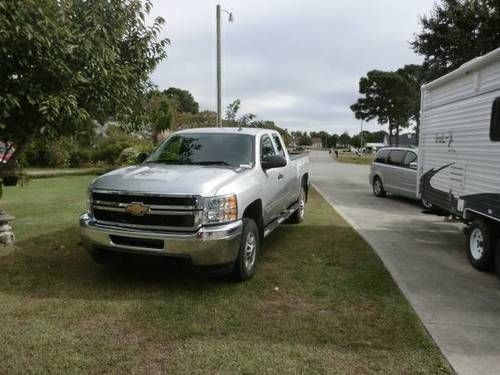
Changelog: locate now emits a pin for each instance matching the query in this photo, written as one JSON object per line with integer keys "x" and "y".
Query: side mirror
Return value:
{"x": 141, "y": 157}
{"x": 414, "y": 165}
{"x": 274, "y": 161}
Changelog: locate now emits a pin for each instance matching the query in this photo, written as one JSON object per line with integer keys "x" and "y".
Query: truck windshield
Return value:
{"x": 205, "y": 149}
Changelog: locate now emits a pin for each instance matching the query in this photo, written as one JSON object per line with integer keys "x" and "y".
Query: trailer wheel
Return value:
{"x": 481, "y": 240}
{"x": 378, "y": 187}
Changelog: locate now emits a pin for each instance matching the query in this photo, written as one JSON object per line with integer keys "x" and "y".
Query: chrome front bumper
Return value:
{"x": 217, "y": 245}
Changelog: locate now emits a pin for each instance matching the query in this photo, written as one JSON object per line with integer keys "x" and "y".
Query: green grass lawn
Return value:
{"x": 349, "y": 157}
{"x": 321, "y": 302}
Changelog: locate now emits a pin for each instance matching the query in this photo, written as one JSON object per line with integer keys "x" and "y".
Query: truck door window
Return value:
{"x": 396, "y": 157}
{"x": 266, "y": 147}
{"x": 410, "y": 157}
{"x": 279, "y": 146}
{"x": 495, "y": 121}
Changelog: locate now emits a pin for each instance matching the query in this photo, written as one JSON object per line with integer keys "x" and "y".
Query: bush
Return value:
{"x": 81, "y": 157}
{"x": 58, "y": 153}
{"x": 119, "y": 148}
{"x": 130, "y": 155}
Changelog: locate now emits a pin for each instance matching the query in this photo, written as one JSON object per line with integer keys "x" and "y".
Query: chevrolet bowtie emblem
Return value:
{"x": 137, "y": 209}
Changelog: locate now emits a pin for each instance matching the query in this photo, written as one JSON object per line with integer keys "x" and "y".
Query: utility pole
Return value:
{"x": 361, "y": 136}
{"x": 219, "y": 63}
{"x": 219, "y": 78}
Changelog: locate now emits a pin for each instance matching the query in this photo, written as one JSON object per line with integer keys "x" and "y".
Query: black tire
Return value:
{"x": 298, "y": 216}
{"x": 497, "y": 259}
{"x": 378, "y": 188}
{"x": 481, "y": 241}
{"x": 244, "y": 266}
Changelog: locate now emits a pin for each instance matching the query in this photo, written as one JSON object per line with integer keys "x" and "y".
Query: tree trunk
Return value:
{"x": 397, "y": 135}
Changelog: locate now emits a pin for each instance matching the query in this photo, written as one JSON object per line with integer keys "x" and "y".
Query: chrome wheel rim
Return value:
{"x": 250, "y": 250}
{"x": 377, "y": 186}
{"x": 302, "y": 204}
{"x": 476, "y": 244}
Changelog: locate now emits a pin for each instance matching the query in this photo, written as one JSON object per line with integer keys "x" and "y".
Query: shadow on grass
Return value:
{"x": 57, "y": 265}
{"x": 317, "y": 286}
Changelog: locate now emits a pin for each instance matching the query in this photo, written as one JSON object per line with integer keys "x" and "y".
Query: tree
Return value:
{"x": 232, "y": 110}
{"x": 344, "y": 139}
{"x": 183, "y": 100}
{"x": 333, "y": 140}
{"x": 201, "y": 119}
{"x": 80, "y": 60}
{"x": 415, "y": 78}
{"x": 388, "y": 97}
{"x": 456, "y": 32}
{"x": 161, "y": 115}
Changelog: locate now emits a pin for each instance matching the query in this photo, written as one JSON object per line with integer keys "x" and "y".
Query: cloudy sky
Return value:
{"x": 295, "y": 62}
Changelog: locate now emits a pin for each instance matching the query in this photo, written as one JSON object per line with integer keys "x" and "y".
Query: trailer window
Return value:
{"x": 495, "y": 121}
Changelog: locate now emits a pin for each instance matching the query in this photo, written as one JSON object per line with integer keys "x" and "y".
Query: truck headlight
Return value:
{"x": 221, "y": 209}
{"x": 89, "y": 201}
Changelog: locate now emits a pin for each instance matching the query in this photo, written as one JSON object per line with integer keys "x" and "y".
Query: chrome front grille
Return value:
{"x": 147, "y": 211}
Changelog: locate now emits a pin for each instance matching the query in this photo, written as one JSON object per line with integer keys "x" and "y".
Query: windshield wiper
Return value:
{"x": 164, "y": 162}
{"x": 212, "y": 162}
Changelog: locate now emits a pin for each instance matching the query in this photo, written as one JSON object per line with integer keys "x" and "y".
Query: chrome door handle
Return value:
{"x": 280, "y": 176}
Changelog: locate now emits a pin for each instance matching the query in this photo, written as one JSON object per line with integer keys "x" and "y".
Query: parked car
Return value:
{"x": 394, "y": 171}
{"x": 208, "y": 195}
{"x": 460, "y": 152}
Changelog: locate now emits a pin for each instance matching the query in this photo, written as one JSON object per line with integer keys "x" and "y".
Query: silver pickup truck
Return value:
{"x": 208, "y": 195}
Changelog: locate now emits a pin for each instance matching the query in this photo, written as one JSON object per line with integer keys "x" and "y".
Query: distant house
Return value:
{"x": 316, "y": 143}
{"x": 372, "y": 146}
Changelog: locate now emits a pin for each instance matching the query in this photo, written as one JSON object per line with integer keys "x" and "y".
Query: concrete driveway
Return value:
{"x": 458, "y": 305}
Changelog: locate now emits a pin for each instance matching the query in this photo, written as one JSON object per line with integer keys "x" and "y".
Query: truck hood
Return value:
{"x": 168, "y": 179}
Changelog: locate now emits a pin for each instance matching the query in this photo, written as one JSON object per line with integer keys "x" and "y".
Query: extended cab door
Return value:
{"x": 289, "y": 183}
{"x": 271, "y": 189}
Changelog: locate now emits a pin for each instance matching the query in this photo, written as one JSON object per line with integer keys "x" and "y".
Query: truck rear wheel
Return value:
{"x": 481, "y": 240}
{"x": 245, "y": 265}
{"x": 298, "y": 216}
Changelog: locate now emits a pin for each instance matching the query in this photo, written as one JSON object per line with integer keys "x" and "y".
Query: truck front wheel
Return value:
{"x": 245, "y": 265}
{"x": 480, "y": 245}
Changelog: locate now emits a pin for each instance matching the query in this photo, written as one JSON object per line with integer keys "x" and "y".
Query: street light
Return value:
{"x": 219, "y": 60}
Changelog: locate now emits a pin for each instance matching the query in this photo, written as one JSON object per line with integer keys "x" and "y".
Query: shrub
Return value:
{"x": 58, "y": 153}
{"x": 80, "y": 157}
{"x": 129, "y": 155}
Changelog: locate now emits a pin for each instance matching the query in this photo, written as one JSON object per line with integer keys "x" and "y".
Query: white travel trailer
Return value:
{"x": 459, "y": 152}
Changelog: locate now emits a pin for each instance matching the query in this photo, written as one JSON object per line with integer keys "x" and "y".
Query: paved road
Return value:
{"x": 458, "y": 305}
